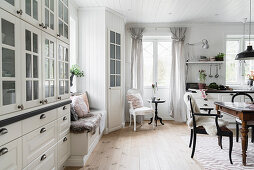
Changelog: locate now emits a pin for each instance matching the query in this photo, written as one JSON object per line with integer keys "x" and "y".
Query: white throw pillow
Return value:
{"x": 136, "y": 100}
{"x": 79, "y": 106}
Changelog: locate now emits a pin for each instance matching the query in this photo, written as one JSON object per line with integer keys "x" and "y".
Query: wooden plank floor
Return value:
{"x": 146, "y": 149}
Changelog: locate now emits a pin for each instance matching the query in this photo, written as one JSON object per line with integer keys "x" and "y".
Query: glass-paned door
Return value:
{"x": 11, "y": 6}
{"x": 49, "y": 68}
{"x": 63, "y": 76}
{"x": 49, "y": 15}
{"x": 63, "y": 20}
{"x": 31, "y": 11}
{"x": 9, "y": 63}
{"x": 31, "y": 62}
{"x": 115, "y": 59}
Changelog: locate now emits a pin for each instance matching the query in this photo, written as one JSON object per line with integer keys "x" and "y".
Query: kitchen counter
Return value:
{"x": 225, "y": 91}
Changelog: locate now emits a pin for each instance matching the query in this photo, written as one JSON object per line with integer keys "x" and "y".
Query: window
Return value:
{"x": 156, "y": 54}
{"x": 236, "y": 71}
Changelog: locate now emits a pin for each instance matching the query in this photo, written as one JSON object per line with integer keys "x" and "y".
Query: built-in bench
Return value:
{"x": 84, "y": 137}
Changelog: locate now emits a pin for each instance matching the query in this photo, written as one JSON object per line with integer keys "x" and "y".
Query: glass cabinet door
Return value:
{"x": 63, "y": 20}
{"x": 31, "y": 64}
{"x": 32, "y": 12}
{"x": 9, "y": 61}
{"x": 11, "y": 6}
{"x": 115, "y": 59}
{"x": 49, "y": 12}
{"x": 49, "y": 67}
{"x": 63, "y": 76}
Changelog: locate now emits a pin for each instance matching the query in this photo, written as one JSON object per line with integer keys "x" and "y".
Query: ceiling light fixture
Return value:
{"x": 248, "y": 54}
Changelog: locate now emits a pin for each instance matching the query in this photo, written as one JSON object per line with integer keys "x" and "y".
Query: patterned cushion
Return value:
{"x": 79, "y": 106}
{"x": 85, "y": 98}
{"x": 136, "y": 100}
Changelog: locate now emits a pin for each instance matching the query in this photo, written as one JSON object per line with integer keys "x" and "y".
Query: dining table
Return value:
{"x": 245, "y": 112}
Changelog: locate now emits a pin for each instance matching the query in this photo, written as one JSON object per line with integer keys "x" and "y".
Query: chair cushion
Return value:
{"x": 136, "y": 100}
{"x": 248, "y": 123}
{"x": 143, "y": 110}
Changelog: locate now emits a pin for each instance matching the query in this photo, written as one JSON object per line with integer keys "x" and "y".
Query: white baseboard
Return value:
{"x": 79, "y": 160}
{"x": 115, "y": 128}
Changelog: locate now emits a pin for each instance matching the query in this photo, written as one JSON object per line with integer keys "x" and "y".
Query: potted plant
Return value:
{"x": 202, "y": 78}
{"x": 219, "y": 57}
{"x": 75, "y": 71}
{"x": 251, "y": 78}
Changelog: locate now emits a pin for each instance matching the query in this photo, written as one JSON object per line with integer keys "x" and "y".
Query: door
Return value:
{"x": 12, "y": 6}
{"x": 32, "y": 12}
{"x": 31, "y": 66}
{"x": 63, "y": 20}
{"x": 9, "y": 63}
{"x": 63, "y": 69}
{"x": 49, "y": 68}
{"x": 49, "y": 13}
{"x": 115, "y": 108}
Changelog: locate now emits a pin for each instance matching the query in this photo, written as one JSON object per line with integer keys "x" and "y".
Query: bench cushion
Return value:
{"x": 86, "y": 124}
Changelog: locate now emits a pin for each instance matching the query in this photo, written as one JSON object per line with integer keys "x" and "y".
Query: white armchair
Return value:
{"x": 139, "y": 111}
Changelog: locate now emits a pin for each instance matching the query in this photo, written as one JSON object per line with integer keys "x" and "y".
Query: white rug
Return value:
{"x": 211, "y": 157}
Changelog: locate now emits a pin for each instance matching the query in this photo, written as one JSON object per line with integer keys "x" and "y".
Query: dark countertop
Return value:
{"x": 227, "y": 91}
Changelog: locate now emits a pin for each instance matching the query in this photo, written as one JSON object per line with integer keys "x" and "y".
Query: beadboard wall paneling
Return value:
{"x": 92, "y": 55}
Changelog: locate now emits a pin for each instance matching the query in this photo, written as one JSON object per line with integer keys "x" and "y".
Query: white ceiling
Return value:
{"x": 158, "y": 11}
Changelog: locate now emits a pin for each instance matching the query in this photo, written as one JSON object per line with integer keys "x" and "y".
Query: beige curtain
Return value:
{"x": 137, "y": 58}
{"x": 177, "y": 75}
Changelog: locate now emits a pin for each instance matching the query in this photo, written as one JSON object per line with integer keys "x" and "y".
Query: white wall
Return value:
{"x": 92, "y": 55}
{"x": 73, "y": 10}
{"x": 215, "y": 33}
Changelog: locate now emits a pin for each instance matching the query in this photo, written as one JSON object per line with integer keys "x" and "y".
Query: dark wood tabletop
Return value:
{"x": 237, "y": 106}
{"x": 158, "y": 101}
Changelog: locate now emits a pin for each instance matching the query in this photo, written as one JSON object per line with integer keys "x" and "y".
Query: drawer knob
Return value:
{"x": 43, "y": 116}
{"x": 205, "y": 99}
{"x": 43, "y": 157}
{"x": 205, "y": 104}
{"x": 64, "y": 118}
{"x": 231, "y": 94}
{"x": 58, "y": 35}
{"x": 42, "y": 102}
{"x": 20, "y": 12}
{"x": 64, "y": 108}
{"x": 59, "y": 98}
{"x": 21, "y": 107}
{"x": 43, "y": 130}
{"x": 3, "y": 151}
{"x": 3, "y": 131}
{"x": 65, "y": 139}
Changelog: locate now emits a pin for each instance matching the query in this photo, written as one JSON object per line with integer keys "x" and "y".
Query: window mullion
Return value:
{"x": 155, "y": 57}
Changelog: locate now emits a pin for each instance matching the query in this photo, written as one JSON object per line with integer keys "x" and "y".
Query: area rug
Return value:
{"x": 209, "y": 155}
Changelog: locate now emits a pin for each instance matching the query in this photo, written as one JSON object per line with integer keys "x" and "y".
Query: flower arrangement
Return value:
{"x": 202, "y": 76}
{"x": 154, "y": 87}
{"x": 251, "y": 75}
{"x": 75, "y": 71}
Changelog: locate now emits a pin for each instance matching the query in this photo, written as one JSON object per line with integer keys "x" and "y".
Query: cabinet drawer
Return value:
{"x": 46, "y": 161}
{"x": 64, "y": 149}
{"x": 63, "y": 110}
{"x": 10, "y": 132}
{"x": 11, "y": 156}
{"x": 63, "y": 124}
{"x": 37, "y": 121}
{"x": 92, "y": 137}
{"x": 38, "y": 141}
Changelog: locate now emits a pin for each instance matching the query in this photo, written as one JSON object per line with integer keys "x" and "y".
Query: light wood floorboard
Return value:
{"x": 146, "y": 149}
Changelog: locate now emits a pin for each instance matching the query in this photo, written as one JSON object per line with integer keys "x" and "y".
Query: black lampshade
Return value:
{"x": 246, "y": 55}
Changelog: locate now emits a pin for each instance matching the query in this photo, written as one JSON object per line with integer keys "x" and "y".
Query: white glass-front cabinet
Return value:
{"x": 9, "y": 63}
{"x": 31, "y": 12}
{"x": 63, "y": 80}
{"x": 49, "y": 68}
{"x": 63, "y": 20}
{"x": 12, "y": 6}
{"x": 31, "y": 65}
{"x": 49, "y": 12}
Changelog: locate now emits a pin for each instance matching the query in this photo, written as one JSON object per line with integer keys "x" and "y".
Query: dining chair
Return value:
{"x": 221, "y": 131}
{"x": 140, "y": 110}
{"x": 239, "y": 122}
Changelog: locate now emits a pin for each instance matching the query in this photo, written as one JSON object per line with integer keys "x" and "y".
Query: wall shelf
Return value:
{"x": 205, "y": 62}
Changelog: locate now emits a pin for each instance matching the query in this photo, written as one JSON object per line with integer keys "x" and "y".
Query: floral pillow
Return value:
{"x": 136, "y": 100}
{"x": 79, "y": 106}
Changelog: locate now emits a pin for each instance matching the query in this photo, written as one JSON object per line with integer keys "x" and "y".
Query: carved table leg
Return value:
{"x": 244, "y": 132}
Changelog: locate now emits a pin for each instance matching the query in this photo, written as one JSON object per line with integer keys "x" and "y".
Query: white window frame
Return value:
{"x": 241, "y": 75}
{"x": 155, "y": 41}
